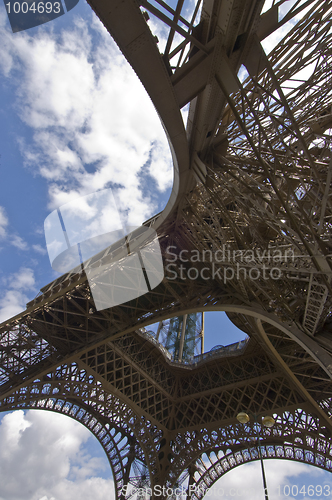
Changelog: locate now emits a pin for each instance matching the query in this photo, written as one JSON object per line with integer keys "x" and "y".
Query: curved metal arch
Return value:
{"x": 297, "y": 429}
{"x": 103, "y": 432}
{"x": 139, "y": 47}
{"x": 285, "y": 452}
{"x": 320, "y": 355}
{"x": 99, "y": 416}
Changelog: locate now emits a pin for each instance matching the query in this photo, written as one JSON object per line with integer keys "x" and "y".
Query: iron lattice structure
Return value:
{"x": 182, "y": 336}
{"x": 252, "y": 175}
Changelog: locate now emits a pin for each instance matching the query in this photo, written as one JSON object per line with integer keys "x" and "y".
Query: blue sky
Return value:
{"x": 74, "y": 119}
{"x": 71, "y": 123}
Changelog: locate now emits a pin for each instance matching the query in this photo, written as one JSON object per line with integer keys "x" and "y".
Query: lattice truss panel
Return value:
{"x": 175, "y": 29}
{"x": 169, "y": 333}
{"x": 184, "y": 28}
{"x": 277, "y": 145}
{"x": 248, "y": 203}
{"x": 128, "y": 440}
{"x": 259, "y": 148}
{"x": 20, "y": 349}
{"x": 267, "y": 175}
{"x": 133, "y": 368}
{"x": 144, "y": 410}
{"x": 192, "y": 397}
{"x": 296, "y": 436}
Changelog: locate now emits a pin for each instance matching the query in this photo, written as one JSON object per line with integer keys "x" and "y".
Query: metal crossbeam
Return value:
{"x": 252, "y": 198}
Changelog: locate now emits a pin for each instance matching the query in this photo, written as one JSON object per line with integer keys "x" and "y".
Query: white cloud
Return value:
{"x": 12, "y": 239}
{"x": 18, "y": 242}
{"x": 12, "y": 303}
{"x": 3, "y": 222}
{"x": 245, "y": 481}
{"x": 39, "y": 249}
{"x": 13, "y": 300}
{"x": 270, "y": 42}
{"x": 44, "y": 457}
{"x": 22, "y": 280}
{"x": 93, "y": 123}
{"x": 160, "y": 169}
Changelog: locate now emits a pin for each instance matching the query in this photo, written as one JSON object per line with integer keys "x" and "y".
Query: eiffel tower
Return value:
{"x": 252, "y": 178}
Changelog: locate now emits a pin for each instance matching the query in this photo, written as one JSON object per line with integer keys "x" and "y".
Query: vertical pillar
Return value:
{"x": 202, "y": 335}
{"x": 160, "y": 325}
{"x": 183, "y": 334}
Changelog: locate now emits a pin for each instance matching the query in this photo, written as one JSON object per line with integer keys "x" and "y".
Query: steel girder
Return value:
{"x": 252, "y": 172}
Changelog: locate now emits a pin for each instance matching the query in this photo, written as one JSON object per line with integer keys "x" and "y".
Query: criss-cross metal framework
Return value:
{"x": 251, "y": 206}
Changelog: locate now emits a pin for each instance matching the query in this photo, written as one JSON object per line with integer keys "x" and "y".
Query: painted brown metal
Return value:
{"x": 252, "y": 173}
